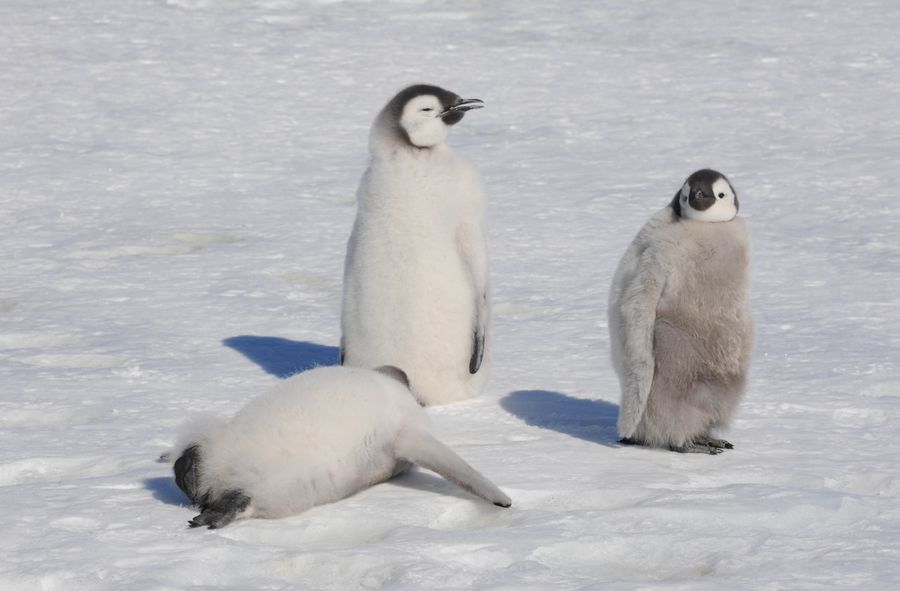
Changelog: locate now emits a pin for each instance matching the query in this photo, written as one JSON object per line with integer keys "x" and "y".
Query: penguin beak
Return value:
{"x": 701, "y": 201}
{"x": 463, "y": 105}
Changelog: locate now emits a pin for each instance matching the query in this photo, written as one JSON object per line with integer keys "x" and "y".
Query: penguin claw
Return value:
{"x": 211, "y": 519}
{"x": 697, "y": 448}
{"x": 711, "y": 442}
{"x": 198, "y": 521}
{"x": 701, "y": 445}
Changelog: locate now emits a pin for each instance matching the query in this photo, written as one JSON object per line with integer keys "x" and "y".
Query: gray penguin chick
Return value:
{"x": 679, "y": 320}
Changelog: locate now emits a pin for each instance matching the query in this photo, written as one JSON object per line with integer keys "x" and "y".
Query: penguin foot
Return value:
{"x": 696, "y": 448}
{"x": 700, "y": 445}
{"x": 712, "y": 442}
{"x": 222, "y": 511}
{"x": 704, "y": 444}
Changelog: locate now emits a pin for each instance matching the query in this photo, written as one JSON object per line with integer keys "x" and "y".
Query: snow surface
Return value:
{"x": 176, "y": 188}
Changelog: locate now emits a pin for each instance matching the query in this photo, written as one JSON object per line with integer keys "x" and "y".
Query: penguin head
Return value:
{"x": 706, "y": 196}
{"x": 422, "y": 115}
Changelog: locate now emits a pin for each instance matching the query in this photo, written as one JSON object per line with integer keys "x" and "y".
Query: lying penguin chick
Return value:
{"x": 317, "y": 437}
{"x": 679, "y": 320}
{"x": 415, "y": 290}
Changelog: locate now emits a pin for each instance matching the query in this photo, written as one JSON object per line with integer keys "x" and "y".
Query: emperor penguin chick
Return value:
{"x": 416, "y": 272}
{"x": 679, "y": 320}
{"x": 316, "y": 438}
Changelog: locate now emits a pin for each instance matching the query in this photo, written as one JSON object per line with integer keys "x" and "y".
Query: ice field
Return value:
{"x": 177, "y": 185}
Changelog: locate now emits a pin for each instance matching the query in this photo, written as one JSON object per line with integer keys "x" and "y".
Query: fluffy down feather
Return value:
{"x": 680, "y": 328}
{"x": 315, "y": 438}
{"x": 415, "y": 291}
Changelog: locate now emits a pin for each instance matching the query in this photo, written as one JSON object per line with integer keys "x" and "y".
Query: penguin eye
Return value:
{"x": 428, "y": 109}
{"x": 721, "y": 195}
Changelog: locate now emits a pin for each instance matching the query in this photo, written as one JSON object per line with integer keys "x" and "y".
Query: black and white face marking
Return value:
{"x": 706, "y": 196}
{"x": 425, "y": 113}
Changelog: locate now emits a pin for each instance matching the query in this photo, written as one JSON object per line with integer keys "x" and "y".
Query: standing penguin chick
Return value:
{"x": 318, "y": 437}
{"x": 415, "y": 275}
{"x": 679, "y": 320}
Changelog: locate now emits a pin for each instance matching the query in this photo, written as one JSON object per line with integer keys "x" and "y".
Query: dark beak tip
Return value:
{"x": 464, "y": 105}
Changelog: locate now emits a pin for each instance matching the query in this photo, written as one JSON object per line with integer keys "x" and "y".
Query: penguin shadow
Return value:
{"x": 164, "y": 489}
{"x": 591, "y": 420}
{"x": 282, "y": 357}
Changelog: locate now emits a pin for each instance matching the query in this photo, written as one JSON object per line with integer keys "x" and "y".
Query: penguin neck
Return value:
{"x": 679, "y": 215}
{"x": 388, "y": 142}
{"x": 390, "y": 150}
{"x": 716, "y": 232}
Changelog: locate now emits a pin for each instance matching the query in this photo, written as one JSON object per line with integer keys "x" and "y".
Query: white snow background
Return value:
{"x": 177, "y": 185}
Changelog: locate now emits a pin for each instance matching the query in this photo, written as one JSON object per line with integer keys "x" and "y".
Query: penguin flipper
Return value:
{"x": 481, "y": 322}
{"x": 422, "y": 448}
{"x": 394, "y": 373}
{"x": 471, "y": 244}
{"x": 477, "y": 353}
{"x": 638, "y": 320}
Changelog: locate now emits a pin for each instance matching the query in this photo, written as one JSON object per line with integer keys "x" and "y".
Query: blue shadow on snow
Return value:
{"x": 591, "y": 420}
{"x": 164, "y": 489}
{"x": 282, "y": 357}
